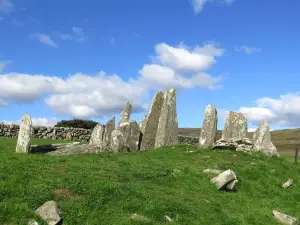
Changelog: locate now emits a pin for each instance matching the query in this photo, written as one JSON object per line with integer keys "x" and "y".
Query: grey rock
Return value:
{"x": 76, "y": 150}
{"x": 142, "y": 123}
{"x": 232, "y": 185}
{"x": 168, "y": 219}
{"x": 131, "y": 135}
{"x": 150, "y": 123}
{"x": 32, "y": 222}
{"x": 208, "y": 132}
{"x": 125, "y": 114}
{"x": 236, "y": 126}
{"x": 284, "y": 218}
{"x": 137, "y": 217}
{"x": 49, "y": 212}
{"x": 288, "y": 184}
{"x": 244, "y": 144}
{"x": 262, "y": 140}
{"x": 212, "y": 171}
{"x": 24, "y": 137}
{"x": 223, "y": 179}
{"x": 167, "y": 130}
{"x": 117, "y": 141}
{"x": 69, "y": 136}
{"x": 109, "y": 127}
{"x": 97, "y": 135}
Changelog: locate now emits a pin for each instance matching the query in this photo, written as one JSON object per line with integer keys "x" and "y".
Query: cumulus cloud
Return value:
{"x": 284, "y": 111}
{"x": 6, "y": 6}
{"x": 248, "y": 50}
{"x": 40, "y": 121}
{"x": 45, "y": 39}
{"x": 198, "y": 5}
{"x": 182, "y": 66}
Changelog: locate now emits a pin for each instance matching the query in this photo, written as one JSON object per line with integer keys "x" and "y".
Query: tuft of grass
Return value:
{"x": 107, "y": 188}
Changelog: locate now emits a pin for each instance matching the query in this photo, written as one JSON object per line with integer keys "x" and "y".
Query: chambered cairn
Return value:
{"x": 24, "y": 137}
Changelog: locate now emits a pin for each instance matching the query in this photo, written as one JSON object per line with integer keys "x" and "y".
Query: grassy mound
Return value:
{"x": 107, "y": 188}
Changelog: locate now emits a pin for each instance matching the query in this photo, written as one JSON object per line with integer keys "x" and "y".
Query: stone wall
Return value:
{"x": 60, "y": 133}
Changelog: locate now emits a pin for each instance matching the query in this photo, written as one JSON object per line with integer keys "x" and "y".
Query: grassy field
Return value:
{"x": 107, "y": 188}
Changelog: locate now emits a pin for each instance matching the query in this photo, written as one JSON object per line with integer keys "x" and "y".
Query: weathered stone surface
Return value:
{"x": 109, "y": 127}
{"x": 125, "y": 114}
{"x": 131, "y": 135}
{"x": 262, "y": 140}
{"x": 137, "y": 217}
{"x": 97, "y": 135}
{"x": 24, "y": 137}
{"x": 208, "y": 132}
{"x": 288, "y": 184}
{"x": 244, "y": 144}
{"x": 223, "y": 179}
{"x": 117, "y": 141}
{"x": 168, "y": 219}
{"x": 32, "y": 222}
{"x": 69, "y": 136}
{"x": 232, "y": 185}
{"x": 76, "y": 150}
{"x": 236, "y": 126}
{"x": 49, "y": 212}
{"x": 142, "y": 123}
{"x": 284, "y": 218}
{"x": 150, "y": 123}
{"x": 212, "y": 171}
{"x": 167, "y": 130}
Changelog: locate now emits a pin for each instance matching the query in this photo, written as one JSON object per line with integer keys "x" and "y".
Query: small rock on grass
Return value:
{"x": 137, "y": 217}
{"x": 212, "y": 171}
{"x": 33, "y": 222}
{"x": 226, "y": 180}
{"x": 50, "y": 213}
{"x": 285, "y": 219}
{"x": 288, "y": 184}
{"x": 168, "y": 219}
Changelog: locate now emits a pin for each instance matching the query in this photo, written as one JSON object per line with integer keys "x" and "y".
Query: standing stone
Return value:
{"x": 117, "y": 141}
{"x": 262, "y": 140}
{"x": 149, "y": 125}
{"x": 109, "y": 127}
{"x": 236, "y": 126}
{"x": 125, "y": 115}
{"x": 97, "y": 135}
{"x": 142, "y": 123}
{"x": 208, "y": 132}
{"x": 131, "y": 134}
{"x": 167, "y": 131}
{"x": 24, "y": 137}
{"x": 69, "y": 136}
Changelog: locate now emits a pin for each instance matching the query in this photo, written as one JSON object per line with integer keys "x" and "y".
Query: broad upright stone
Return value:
{"x": 208, "y": 132}
{"x": 149, "y": 125}
{"x": 97, "y": 135}
{"x": 236, "y": 126}
{"x": 117, "y": 141}
{"x": 125, "y": 115}
{"x": 109, "y": 127}
{"x": 24, "y": 137}
{"x": 131, "y": 135}
{"x": 262, "y": 140}
{"x": 167, "y": 130}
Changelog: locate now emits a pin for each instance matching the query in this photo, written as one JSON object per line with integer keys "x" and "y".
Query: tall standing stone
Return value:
{"x": 117, "y": 141}
{"x": 97, "y": 135}
{"x": 125, "y": 115}
{"x": 236, "y": 126}
{"x": 109, "y": 127}
{"x": 149, "y": 125}
{"x": 262, "y": 140}
{"x": 131, "y": 135}
{"x": 24, "y": 137}
{"x": 208, "y": 132}
{"x": 142, "y": 123}
{"x": 167, "y": 130}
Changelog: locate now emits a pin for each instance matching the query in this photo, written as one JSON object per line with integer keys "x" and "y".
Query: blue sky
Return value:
{"x": 65, "y": 59}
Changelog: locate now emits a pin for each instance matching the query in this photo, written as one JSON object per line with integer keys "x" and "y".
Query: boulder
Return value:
{"x": 167, "y": 130}
{"x": 109, "y": 127}
{"x": 284, "y": 218}
{"x": 208, "y": 132}
{"x": 131, "y": 135}
{"x": 149, "y": 125}
{"x": 262, "y": 140}
{"x": 97, "y": 135}
{"x": 50, "y": 213}
{"x": 225, "y": 178}
{"x": 244, "y": 144}
{"x": 125, "y": 114}
{"x": 24, "y": 137}
{"x": 236, "y": 126}
{"x": 288, "y": 184}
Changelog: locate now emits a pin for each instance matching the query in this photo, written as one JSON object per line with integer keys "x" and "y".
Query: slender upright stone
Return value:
{"x": 109, "y": 127}
{"x": 262, "y": 140}
{"x": 97, "y": 135}
{"x": 236, "y": 126}
{"x": 24, "y": 137}
{"x": 208, "y": 132}
{"x": 150, "y": 123}
{"x": 125, "y": 115}
{"x": 167, "y": 131}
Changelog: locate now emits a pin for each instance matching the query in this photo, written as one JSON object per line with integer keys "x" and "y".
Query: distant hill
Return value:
{"x": 285, "y": 140}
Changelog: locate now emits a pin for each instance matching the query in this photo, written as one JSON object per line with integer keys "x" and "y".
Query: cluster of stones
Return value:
{"x": 54, "y": 133}
{"x": 234, "y": 135}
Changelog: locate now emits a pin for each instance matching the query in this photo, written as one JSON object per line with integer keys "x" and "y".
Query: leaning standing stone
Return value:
{"x": 24, "y": 137}
{"x": 262, "y": 140}
{"x": 167, "y": 131}
{"x": 236, "y": 126}
{"x": 131, "y": 135}
{"x": 97, "y": 135}
{"x": 125, "y": 115}
{"x": 149, "y": 124}
{"x": 109, "y": 127}
{"x": 208, "y": 132}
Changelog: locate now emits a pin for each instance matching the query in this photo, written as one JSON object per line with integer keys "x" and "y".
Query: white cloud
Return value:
{"x": 3, "y": 64}
{"x": 198, "y": 5}
{"x": 46, "y": 39}
{"x": 284, "y": 111}
{"x": 247, "y": 50}
{"x": 41, "y": 121}
{"x": 6, "y": 6}
{"x": 76, "y": 35}
{"x": 182, "y": 67}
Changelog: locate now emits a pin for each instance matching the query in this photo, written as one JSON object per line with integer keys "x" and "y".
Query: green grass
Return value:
{"x": 107, "y": 188}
